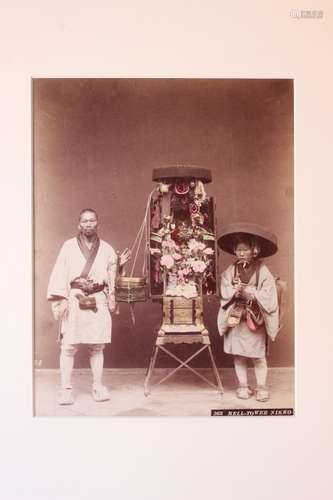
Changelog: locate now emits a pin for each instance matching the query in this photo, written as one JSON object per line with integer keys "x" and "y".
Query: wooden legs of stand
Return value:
{"x": 182, "y": 364}
{"x": 215, "y": 370}
{"x": 149, "y": 370}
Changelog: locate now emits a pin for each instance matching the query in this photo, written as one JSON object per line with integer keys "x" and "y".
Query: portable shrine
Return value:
{"x": 181, "y": 262}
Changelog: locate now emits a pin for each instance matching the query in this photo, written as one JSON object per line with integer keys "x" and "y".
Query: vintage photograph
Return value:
{"x": 163, "y": 247}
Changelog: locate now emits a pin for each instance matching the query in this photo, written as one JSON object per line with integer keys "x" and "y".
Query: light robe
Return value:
{"x": 240, "y": 340}
{"x": 77, "y": 325}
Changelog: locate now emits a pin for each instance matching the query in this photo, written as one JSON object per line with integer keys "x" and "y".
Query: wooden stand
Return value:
{"x": 182, "y": 324}
{"x": 182, "y": 218}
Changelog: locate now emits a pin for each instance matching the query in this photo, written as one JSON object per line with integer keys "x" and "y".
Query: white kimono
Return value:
{"x": 240, "y": 340}
{"x": 83, "y": 326}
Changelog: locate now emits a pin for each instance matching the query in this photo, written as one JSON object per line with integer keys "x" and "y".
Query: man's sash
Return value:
{"x": 88, "y": 253}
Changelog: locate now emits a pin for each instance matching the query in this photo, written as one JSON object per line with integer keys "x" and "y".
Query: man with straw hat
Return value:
{"x": 249, "y": 305}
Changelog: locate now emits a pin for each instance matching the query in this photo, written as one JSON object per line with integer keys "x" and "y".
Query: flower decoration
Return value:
{"x": 169, "y": 245}
{"x": 177, "y": 256}
{"x": 167, "y": 261}
{"x": 187, "y": 290}
{"x": 184, "y": 261}
{"x": 198, "y": 266}
{"x": 195, "y": 245}
{"x": 208, "y": 251}
{"x": 186, "y": 271}
{"x": 184, "y": 256}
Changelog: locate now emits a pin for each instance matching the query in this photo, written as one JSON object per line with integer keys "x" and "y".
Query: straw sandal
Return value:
{"x": 100, "y": 393}
{"x": 262, "y": 394}
{"x": 65, "y": 397}
{"x": 244, "y": 392}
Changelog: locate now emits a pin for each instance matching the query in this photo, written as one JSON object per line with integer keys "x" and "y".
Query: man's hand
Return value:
{"x": 124, "y": 257}
{"x": 59, "y": 308}
{"x": 237, "y": 284}
{"x": 247, "y": 294}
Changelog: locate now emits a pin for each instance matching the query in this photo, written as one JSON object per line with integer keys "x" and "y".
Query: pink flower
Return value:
{"x": 198, "y": 266}
{"x": 167, "y": 261}
{"x": 186, "y": 271}
{"x": 192, "y": 244}
{"x": 196, "y": 245}
{"x": 208, "y": 251}
{"x": 177, "y": 256}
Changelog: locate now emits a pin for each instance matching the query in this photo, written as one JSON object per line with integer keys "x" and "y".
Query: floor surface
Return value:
{"x": 183, "y": 394}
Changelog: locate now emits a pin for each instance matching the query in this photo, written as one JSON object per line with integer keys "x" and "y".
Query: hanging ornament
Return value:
{"x": 194, "y": 208}
{"x": 182, "y": 187}
{"x": 163, "y": 187}
{"x": 199, "y": 191}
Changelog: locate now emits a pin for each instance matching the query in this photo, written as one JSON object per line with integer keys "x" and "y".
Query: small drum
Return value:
{"x": 129, "y": 289}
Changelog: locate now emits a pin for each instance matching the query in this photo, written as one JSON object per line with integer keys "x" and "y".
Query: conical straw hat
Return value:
{"x": 230, "y": 237}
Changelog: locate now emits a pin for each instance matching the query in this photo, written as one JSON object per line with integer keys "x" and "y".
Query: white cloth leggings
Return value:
{"x": 67, "y": 354}
{"x": 260, "y": 370}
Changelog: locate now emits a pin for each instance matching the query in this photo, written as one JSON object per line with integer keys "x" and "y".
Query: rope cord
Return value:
{"x": 141, "y": 231}
{"x": 138, "y": 239}
{"x": 145, "y": 263}
{"x": 144, "y": 266}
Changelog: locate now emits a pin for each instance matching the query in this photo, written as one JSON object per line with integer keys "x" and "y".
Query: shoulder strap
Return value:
{"x": 90, "y": 259}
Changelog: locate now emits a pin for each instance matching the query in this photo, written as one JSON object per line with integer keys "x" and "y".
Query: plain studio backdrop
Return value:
{"x": 96, "y": 142}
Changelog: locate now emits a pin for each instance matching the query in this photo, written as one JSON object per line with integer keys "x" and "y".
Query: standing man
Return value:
{"x": 82, "y": 295}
